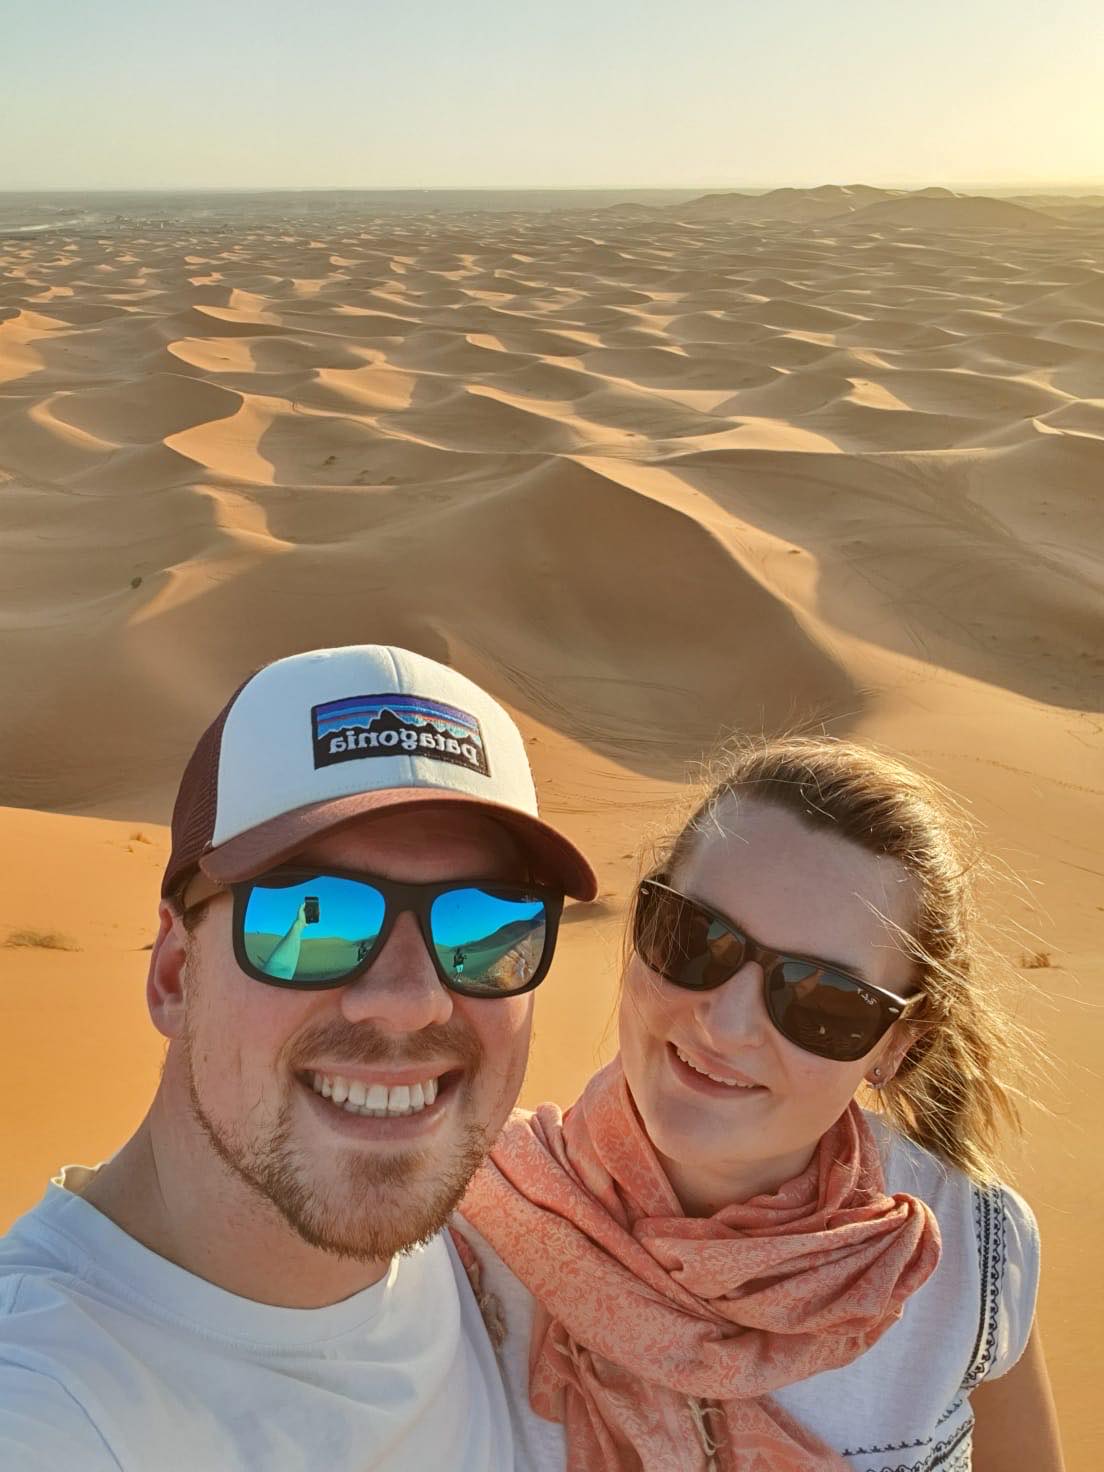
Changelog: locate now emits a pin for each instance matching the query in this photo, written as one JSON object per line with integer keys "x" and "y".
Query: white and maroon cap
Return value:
{"x": 314, "y": 740}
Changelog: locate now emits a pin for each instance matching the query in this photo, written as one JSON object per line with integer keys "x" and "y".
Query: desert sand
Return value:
{"x": 649, "y": 475}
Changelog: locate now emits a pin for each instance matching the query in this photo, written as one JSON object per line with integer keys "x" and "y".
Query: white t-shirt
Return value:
{"x": 114, "y": 1360}
{"x": 904, "y": 1405}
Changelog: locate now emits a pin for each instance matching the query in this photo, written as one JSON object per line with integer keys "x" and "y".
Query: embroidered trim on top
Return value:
{"x": 992, "y": 1260}
{"x": 949, "y": 1412}
{"x": 891, "y": 1446}
{"x": 937, "y": 1457}
{"x": 904, "y": 1446}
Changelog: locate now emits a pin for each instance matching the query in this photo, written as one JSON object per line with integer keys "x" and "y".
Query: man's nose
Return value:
{"x": 736, "y": 1012}
{"x": 400, "y": 991}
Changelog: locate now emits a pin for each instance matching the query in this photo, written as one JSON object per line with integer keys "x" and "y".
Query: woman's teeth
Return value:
{"x": 729, "y": 1083}
{"x": 376, "y": 1099}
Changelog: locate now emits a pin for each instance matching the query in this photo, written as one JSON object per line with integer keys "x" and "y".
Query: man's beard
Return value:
{"x": 388, "y": 1203}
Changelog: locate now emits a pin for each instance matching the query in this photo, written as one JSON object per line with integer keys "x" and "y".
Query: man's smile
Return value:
{"x": 378, "y": 1108}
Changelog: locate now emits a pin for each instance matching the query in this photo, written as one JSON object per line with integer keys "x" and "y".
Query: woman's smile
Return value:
{"x": 691, "y": 1068}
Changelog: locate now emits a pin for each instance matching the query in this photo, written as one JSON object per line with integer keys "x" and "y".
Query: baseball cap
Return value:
{"x": 311, "y": 741}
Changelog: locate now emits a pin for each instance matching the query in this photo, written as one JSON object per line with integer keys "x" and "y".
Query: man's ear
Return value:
{"x": 166, "y": 981}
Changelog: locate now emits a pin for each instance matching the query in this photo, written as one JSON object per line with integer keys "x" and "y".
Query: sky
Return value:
{"x": 374, "y": 94}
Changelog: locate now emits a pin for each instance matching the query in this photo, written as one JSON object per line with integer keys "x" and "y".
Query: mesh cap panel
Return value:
{"x": 193, "y": 819}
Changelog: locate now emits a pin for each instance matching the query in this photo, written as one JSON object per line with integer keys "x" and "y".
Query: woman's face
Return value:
{"x": 794, "y": 889}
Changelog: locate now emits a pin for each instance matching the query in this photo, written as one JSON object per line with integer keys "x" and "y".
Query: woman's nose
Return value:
{"x": 401, "y": 991}
{"x": 735, "y": 1011}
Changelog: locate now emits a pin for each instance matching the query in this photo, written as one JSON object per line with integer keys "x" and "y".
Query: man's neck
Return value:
{"x": 168, "y": 1190}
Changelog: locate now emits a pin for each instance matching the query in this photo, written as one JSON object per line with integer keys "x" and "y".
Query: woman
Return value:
{"x": 717, "y": 1259}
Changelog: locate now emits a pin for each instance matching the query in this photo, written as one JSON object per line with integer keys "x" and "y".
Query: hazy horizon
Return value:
{"x": 1001, "y": 186}
{"x": 261, "y": 95}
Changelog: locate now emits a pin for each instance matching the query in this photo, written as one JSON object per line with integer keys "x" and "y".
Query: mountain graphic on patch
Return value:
{"x": 363, "y": 726}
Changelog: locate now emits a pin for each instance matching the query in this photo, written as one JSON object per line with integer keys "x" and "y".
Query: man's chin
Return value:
{"x": 372, "y": 1204}
{"x": 353, "y": 1192}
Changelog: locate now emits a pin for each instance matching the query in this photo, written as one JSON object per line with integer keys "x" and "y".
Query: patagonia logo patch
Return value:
{"x": 363, "y": 726}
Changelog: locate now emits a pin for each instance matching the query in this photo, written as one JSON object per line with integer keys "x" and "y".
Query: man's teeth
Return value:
{"x": 376, "y": 1099}
{"x": 726, "y": 1081}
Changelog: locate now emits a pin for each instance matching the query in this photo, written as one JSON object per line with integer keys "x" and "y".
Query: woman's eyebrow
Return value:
{"x": 823, "y": 961}
{"x": 829, "y": 965}
{"x": 856, "y": 971}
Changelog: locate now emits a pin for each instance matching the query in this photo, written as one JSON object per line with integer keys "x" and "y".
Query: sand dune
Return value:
{"x": 648, "y": 474}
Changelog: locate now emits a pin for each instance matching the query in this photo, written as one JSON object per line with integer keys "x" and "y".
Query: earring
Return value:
{"x": 881, "y": 1082}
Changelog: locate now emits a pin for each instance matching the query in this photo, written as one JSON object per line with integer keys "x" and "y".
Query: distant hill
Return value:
{"x": 1078, "y": 209}
{"x": 717, "y": 206}
{"x": 933, "y": 207}
{"x": 513, "y": 933}
{"x": 845, "y": 194}
{"x": 822, "y": 203}
{"x": 953, "y": 211}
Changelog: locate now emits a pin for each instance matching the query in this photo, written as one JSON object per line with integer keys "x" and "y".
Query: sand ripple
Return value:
{"x": 571, "y": 446}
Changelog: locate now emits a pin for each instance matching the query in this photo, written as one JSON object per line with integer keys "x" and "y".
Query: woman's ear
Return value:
{"x": 902, "y": 1037}
{"x": 166, "y": 981}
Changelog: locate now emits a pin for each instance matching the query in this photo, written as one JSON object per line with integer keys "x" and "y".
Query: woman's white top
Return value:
{"x": 903, "y": 1406}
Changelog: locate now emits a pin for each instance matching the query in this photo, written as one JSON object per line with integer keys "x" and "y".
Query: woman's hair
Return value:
{"x": 956, "y": 1086}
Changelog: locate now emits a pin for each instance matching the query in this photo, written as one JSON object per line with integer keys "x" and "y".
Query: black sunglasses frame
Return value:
{"x": 891, "y": 1006}
{"x": 398, "y": 899}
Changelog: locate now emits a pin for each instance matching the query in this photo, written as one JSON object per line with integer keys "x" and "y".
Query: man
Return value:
{"x": 260, "y": 1277}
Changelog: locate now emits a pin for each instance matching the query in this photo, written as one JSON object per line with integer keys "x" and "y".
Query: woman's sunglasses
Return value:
{"x": 318, "y": 928}
{"x": 822, "y": 1010}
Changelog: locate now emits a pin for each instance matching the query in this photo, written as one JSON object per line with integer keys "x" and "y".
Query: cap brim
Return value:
{"x": 556, "y": 860}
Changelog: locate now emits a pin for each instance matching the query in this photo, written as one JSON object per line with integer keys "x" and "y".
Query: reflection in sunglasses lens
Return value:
{"x": 321, "y": 928}
{"x": 683, "y": 943}
{"x": 823, "y": 1012}
{"x": 816, "y": 1008}
{"x": 283, "y": 940}
{"x": 489, "y": 942}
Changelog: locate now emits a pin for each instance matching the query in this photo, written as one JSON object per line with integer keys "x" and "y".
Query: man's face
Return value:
{"x": 359, "y": 1186}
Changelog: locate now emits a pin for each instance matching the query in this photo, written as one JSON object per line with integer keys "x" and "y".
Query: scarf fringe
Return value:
{"x": 698, "y": 1412}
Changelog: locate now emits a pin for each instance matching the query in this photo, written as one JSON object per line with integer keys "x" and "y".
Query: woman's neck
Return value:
{"x": 705, "y": 1191}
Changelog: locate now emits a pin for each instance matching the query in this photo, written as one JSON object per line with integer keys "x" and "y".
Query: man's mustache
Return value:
{"x": 365, "y": 1044}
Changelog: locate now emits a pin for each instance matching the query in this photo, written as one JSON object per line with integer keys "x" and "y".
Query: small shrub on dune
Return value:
{"x": 44, "y": 940}
{"x": 1036, "y": 961}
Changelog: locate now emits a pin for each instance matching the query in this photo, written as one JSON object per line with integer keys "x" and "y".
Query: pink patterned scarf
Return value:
{"x": 657, "y": 1336}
